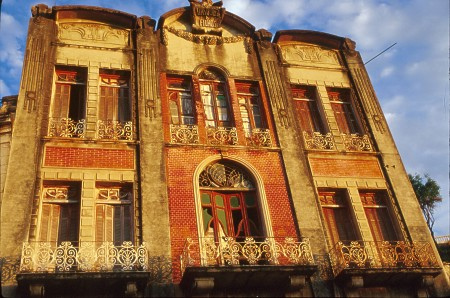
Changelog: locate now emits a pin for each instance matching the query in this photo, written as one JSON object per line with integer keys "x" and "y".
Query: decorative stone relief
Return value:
{"x": 90, "y": 32}
{"x": 207, "y": 17}
{"x": 201, "y": 39}
{"x": 301, "y": 54}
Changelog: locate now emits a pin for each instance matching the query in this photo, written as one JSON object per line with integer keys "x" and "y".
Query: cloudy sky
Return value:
{"x": 411, "y": 79}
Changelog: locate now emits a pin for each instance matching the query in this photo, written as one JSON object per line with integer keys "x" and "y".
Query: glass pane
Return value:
{"x": 222, "y": 219}
{"x": 250, "y": 200}
{"x": 234, "y": 201}
{"x": 223, "y": 114}
{"x": 207, "y": 215}
{"x": 219, "y": 201}
{"x": 174, "y": 112}
{"x": 186, "y": 104}
{"x": 237, "y": 218}
{"x": 206, "y": 198}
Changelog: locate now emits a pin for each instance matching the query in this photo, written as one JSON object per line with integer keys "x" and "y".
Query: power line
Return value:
{"x": 381, "y": 53}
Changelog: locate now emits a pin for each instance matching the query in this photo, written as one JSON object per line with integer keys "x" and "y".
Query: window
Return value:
{"x": 115, "y": 102}
{"x": 250, "y": 106}
{"x": 215, "y": 99}
{"x": 341, "y": 104}
{"x": 338, "y": 220}
{"x": 377, "y": 213}
{"x": 114, "y": 213}
{"x": 69, "y": 99}
{"x": 60, "y": 212}
{"x": 306, "y": 108}
{"x": 180, "y": 101}
{"x": 229, "y": 202}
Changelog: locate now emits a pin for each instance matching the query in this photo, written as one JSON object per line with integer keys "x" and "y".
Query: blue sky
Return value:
{"x": 411, "y": 79}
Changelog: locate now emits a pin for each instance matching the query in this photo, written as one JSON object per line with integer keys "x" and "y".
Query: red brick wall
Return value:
{"x": 71, "y": 157}
{"x": 181, "y": 164}
{"x": 336, "y": 167}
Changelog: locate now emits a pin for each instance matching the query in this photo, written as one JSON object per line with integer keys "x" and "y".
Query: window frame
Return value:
{"x": 248, "y": 105}
{"x": 121, "y": 109}
{"x": 314, "y": 116}
{"x": 344, "y": 97}
{"x": 179, "y": 100}
{"x": 214, "y": 91}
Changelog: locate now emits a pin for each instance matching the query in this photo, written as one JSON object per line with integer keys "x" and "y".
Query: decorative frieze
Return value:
{"x": 308, "y": 54}
{"x": 222, "y": 135}
{"x": 316, "y": 140}
{"x": 356, "y": 142}
{"x": 66, "y": 128}
{"x": 93, "y": 33}
{"x": 184, "y": 134}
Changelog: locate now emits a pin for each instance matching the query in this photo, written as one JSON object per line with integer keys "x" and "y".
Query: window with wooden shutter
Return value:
{"x": 60, "y": 213}
{"x": 181, "y": 104}
{"x": 339, "y": 222}
{"x": 250, "y": 106}
{"x": 69, "y": 99}
{"x": 377, "y": 214}
{"x": 114, "y": 101}
{"x": 344, "y": 114}
{"x": 114, "y": 214}
{"x": 306, "y": 108}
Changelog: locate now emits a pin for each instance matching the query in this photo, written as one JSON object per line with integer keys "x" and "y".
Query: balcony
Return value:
{"x": 259, "y": 137}
{"x": 232, "y": 263}
{"x": 384, "y": 262}
{"x": 318, "y": 141}
{"x": 222, "y": 135}
{"x": 101, "y": 268}
{"x": 66, "y": 128}
{"x": 115, "y": 130}
{"x": 183, "y": 134}
{"x": 356, "y": 142}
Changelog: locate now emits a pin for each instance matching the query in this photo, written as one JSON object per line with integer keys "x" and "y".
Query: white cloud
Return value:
{"x": 387, "y": 71}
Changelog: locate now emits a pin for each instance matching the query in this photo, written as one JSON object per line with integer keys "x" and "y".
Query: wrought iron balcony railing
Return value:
{"x": 356, "y": 142}
{"x": 184, "y": 134}
{"x": 383, "y": 255}
{"x": 229, "y": 251}
{"x": 222, "y": 135}
{"x": 259, "y": 137}
{"x": 66, "y": 128}
{"x": 115, "y": 130}
{"x": 87, "y": 257}
{"x": 316, "y": 140}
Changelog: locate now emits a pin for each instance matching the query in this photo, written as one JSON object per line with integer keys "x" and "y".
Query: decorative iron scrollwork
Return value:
{"x": 382, "y": 254}
{"x": 66, "y": 128}
{"x": 9, "y": 267}
{"x": 89, "y": 256}
{"x": 224, "y": 175}
{"x": 249, "y": 251}
{"x": 316, "y": 140}
{"x": 184, "y": 134}
{"x": 356, "y": 142}
{"x": 222, "y": 135}
{"x": 115, "y": 130}
{"x": 259, "y": 137}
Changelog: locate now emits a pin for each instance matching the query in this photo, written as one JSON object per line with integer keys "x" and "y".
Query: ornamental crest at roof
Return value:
{"x": 207, "y": 17}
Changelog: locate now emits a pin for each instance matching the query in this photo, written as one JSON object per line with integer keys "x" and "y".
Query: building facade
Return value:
{"x": 199, "y": 156}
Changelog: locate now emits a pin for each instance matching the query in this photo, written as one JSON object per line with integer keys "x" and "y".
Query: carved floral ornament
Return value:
{"x": 93, "y": 32}
{"x": 309, "y": 54}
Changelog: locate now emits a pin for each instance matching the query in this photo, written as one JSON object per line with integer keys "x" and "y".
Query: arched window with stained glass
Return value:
{"x": 229, "y": 201}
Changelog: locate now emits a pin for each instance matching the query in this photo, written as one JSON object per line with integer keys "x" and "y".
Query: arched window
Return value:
{"x": 229, "y": 202}
{"x": 215, "y": 99}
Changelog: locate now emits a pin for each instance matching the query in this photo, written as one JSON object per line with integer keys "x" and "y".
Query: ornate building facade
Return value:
{"x": 198, "y": 156}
